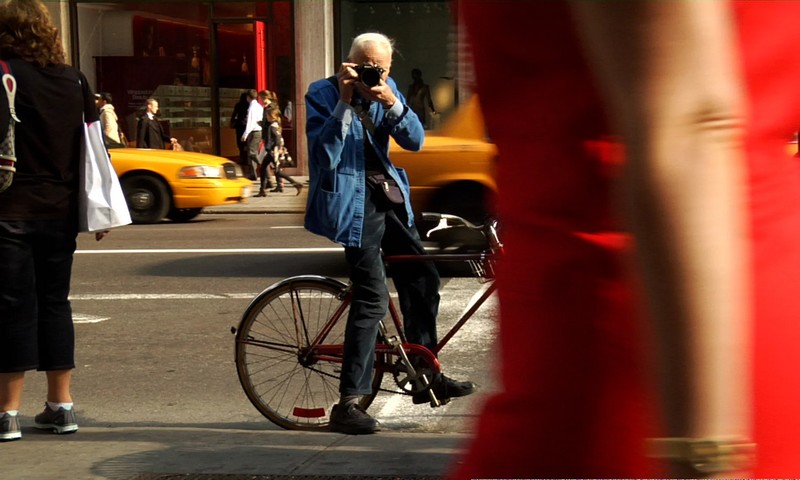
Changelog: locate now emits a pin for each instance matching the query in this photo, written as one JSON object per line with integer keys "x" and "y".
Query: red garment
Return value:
{"x": 768, "y": 37}
{"x": 576, "y": 403}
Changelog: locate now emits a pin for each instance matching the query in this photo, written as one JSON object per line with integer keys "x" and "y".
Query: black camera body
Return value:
{"x": 369, "y": 75}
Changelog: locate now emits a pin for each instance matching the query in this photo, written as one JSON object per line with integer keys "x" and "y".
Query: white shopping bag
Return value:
{"x": 102, "y": 204}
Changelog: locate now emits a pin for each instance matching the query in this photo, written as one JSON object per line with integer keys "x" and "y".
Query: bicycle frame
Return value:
{"x": 475, "y": 303}
{"x": 290, "y": 341}
{"x": 319, "y": 351}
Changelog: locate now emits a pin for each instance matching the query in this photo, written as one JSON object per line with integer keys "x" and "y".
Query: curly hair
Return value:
{"x": 27, "y": 32}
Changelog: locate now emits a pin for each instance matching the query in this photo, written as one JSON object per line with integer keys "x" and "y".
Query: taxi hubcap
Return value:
{"x": 141, "y": 200}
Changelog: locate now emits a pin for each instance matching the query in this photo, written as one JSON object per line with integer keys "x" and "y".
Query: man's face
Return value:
{"x": 152, "y": 107}
{"x": 375, "y": 55}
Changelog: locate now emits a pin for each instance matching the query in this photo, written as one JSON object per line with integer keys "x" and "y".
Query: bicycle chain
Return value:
{"x": 386, "y": 390}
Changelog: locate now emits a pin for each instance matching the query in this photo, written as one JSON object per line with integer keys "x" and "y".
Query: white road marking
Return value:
{"x": 213, "y": 250}
{"x": 162, "y": 296}
{"x": 476, "y": 336}
{"x": 397, "y": 410}
{"x": 84, "y": 318}
{"x": 391, "y": 406}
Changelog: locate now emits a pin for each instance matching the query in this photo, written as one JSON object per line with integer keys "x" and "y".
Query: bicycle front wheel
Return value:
{"x": 281, "y": 371}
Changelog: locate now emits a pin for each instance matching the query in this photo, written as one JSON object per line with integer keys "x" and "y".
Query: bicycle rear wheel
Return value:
{"x": 277, "y": 366}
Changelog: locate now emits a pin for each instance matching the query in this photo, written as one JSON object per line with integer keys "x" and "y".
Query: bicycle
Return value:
{"x": 289, "y": 342}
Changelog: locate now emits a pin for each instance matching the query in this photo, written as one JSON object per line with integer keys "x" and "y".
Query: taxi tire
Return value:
{"x": 148, "y": 198}
{"x": 181, "y": 215}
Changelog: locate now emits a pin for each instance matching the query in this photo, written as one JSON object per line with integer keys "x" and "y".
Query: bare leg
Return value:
{"x": 11, "y": 390}
{"x": 58, "y": 382}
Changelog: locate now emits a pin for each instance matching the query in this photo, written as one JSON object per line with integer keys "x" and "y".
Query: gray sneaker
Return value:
{"x": 9, "y": 427}
{"x": 60, "y": 421}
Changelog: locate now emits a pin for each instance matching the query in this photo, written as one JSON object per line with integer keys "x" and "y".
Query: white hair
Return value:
{"x": 363, "y": 41}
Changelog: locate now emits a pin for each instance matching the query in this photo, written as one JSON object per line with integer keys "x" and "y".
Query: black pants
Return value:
{"x": 263, "y": 172}
{"x": 281, "y": 175}
{"x": 417, "y": 285}
{"x": 36, "y": 328}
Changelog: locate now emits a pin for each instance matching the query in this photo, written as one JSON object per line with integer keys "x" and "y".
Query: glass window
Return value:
{"x": 425, "y": 36}
{"x": 137, "y": 50}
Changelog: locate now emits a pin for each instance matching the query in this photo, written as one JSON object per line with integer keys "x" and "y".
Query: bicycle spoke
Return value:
{"x": 278, "y": 366}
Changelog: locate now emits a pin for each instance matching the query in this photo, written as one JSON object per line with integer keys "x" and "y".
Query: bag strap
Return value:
{"x": 8, "y": 154}
{"x": 10, "y": 86}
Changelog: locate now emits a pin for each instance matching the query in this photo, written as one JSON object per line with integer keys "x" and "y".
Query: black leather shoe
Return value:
{"x": 445, "y": 388}
{"x": 352, "y": 420}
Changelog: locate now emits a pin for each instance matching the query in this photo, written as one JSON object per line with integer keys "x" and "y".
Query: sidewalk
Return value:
{"x": 223, "y": 452}
{"x": 286, "y": 202}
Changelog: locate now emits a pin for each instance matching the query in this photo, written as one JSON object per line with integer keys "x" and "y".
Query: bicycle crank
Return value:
{"x": 411, "y": 383}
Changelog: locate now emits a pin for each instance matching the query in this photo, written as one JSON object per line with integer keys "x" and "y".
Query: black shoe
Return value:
{"x": 299, "y": 188}
{"x": 277, "y": 190}
{"x": 445, "y": 389}
{"x": 352, "y": 420}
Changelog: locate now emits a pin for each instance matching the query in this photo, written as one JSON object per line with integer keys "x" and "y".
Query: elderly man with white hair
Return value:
{"x": 359, "y": 199}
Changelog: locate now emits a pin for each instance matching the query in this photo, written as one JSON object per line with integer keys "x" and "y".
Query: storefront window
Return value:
{"x": 425, "y": 35}
{"x": 195, "y": 58}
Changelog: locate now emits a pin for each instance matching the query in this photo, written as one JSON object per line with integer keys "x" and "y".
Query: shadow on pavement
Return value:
{"x": 330, "y": 264}
{"x": 152, "y": 453}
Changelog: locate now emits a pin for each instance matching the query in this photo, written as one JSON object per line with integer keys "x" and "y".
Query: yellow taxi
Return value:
{"x": 176, "y": 185}
{"x": 455, "y": 170}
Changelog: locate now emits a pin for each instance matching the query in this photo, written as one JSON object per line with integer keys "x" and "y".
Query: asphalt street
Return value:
{"x": 156, "y": 387}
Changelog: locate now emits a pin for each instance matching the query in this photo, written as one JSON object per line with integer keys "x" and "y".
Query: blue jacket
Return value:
{"x": 335, "y": 207}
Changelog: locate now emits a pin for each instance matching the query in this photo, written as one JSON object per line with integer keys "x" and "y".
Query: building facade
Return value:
{"x": 197, "y": 57}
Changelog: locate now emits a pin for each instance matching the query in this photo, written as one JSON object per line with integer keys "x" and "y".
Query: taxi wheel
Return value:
{"x": 183, "y": 214}
{"x": 148, "y": 198}
{"x": 467, "y": 200}
{"x": 470, "y": 201}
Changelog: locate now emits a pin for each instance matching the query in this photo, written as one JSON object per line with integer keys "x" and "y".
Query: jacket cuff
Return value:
{"x": 345, "y": 114}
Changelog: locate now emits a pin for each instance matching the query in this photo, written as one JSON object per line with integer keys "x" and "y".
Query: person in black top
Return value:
{"x": 39, "y": 215}
{"x": 150, "y": 133}
{"x": 274, "y": 146}
{"x": 239, "y": 123}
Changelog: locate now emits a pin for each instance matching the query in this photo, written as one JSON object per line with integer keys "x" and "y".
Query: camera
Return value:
{"x": 369, "y": 75}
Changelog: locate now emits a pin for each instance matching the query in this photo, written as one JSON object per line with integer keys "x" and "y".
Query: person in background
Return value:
{"x": 252, "y": 131}
{"x": 112, "y": 134}
{"x": 149, "y": 132}
{"x": 39, "y": 216}
{"x": 239, "y": 123}
{"x": 419, "y": 97}
{"x": 344, "y": 150}
{"x": 274, "y": 145}
{"x": 270, "y": 102}
{"x": 685, "y": 364}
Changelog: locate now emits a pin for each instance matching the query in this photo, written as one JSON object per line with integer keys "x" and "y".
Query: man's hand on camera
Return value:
{"x": 347, "y": 79}
{"x": 381, "y": 93}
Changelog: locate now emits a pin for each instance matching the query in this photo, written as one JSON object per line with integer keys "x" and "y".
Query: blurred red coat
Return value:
{"x": 576, "y": 402}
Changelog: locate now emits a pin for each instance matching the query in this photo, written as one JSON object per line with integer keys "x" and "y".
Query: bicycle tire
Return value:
{"x": 268, "y": 352}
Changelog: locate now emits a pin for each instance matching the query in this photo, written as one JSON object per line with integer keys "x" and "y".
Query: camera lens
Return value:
{"x": 370, "y": 77}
